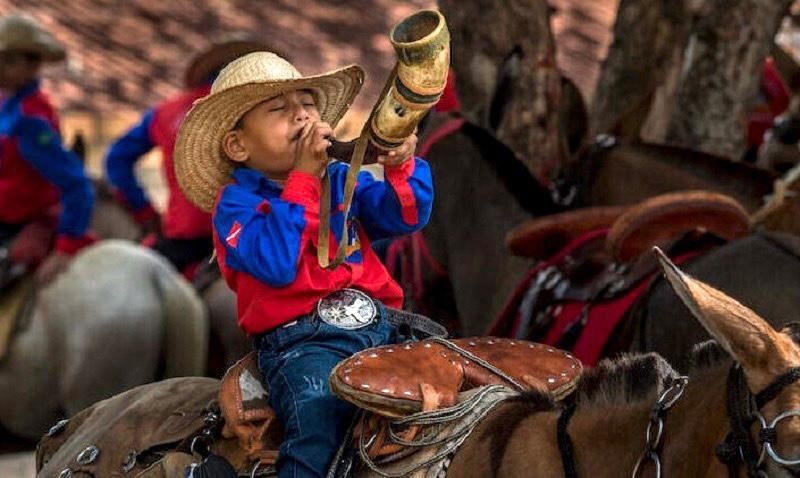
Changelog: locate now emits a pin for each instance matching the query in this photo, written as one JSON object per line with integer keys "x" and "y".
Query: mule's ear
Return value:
{"x": 630, "y": 123}
{"x": 749, "y": 339}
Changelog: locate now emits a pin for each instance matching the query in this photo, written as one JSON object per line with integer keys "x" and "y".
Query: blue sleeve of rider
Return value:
{"x": 40, "y": 146}
{"x": 261, "y": 237}
{"x": 121, "y": 159}
{"x": 395, "y": 201}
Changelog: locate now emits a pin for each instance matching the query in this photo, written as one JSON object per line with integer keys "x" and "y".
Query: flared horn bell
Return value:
{"x": 422, "y": 43}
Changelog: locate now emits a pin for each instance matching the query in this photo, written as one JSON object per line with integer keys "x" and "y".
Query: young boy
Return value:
{"x": 36, "y": 173}
{"x": 183, "y": 234}
{"x": 254, "y": 151}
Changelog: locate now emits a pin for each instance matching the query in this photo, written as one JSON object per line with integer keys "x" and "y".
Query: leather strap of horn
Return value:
{"x": 323, "y": 246}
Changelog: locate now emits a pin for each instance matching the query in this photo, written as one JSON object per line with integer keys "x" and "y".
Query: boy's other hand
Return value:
{"x": 401, "y": 154}
{"x": 311, "y": 154}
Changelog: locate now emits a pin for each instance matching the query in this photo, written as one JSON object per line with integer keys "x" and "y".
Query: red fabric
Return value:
{"x": 143, "y": 215}
{"x": 262, "y": 307}
{"x": 500, "y": 327}
{"x": 24, "y": 193}
{"x": 774, "y": 88}
{"x": 397, "y": 177}
{"x": 444, "y": 130}
{"x": 34, "y": 241}
{"x": 603, "y": 316}
{"x": 182, "y": 219}
{"x": 775, "y": 96}
{"x": 407, "y": 258}
{"x": 449, "y": 100}
{"x": 70, "y": 245}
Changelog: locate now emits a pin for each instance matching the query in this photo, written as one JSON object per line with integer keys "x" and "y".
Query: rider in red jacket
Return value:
{"x": 44, "y": 192}
{"x": 184, "y": 235}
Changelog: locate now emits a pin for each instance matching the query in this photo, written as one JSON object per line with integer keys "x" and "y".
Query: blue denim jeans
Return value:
{"x": 296, "y": 361}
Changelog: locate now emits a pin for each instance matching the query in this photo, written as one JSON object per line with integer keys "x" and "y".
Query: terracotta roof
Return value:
{"x": 129, "y": 55}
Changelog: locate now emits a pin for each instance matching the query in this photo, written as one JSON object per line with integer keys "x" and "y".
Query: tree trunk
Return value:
{"x": 504, "y": 59}
{"x": 647, "y": 36}
{"x": 695, "y": 66}
{"x": 721, "y": 73}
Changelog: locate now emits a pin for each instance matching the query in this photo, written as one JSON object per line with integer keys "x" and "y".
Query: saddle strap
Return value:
{"x": 417, "y": 322}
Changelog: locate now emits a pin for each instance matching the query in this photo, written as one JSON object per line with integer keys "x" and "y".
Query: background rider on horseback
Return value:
{"x": 37, "y": 174}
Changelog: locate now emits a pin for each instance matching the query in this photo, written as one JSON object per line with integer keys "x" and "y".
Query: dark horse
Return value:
{"x": 483, "y": 191}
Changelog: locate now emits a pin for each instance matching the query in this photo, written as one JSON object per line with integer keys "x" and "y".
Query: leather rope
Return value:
{"x": 323, "y": 244}
{"x": 483, "y": 363}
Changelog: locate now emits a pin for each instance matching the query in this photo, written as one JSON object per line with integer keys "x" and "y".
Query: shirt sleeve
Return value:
{"x": 40, "y": 145}
{"x": 395, "y": 200}
{"x": 265, "y": 238}
{"x": 121, "y": 159}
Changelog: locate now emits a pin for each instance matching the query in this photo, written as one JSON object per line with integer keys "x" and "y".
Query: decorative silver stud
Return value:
{"x": 130, "y": 461}
{"x": 407, "y": 393}
{"x": 365, "y": 385}
{"x": 551, "y": 380}
{"x": 471, "y": 343}
{"x": 428, "y": 345}
{"x": 57, "y": 428}
{"x": 386, "y": 390}
{"x": 88, "y": 455}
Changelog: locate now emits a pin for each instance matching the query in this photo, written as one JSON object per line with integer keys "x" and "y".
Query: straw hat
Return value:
{"x": 23, "y": 33}
{"x": 200, "y": 164}
{"x": 221, "y": 52}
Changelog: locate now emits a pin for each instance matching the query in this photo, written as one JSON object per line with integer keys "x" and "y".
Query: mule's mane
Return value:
{"x": 627, "y": 379}
{"x": 529, "y": 193}
{"x": 710, "y": 166}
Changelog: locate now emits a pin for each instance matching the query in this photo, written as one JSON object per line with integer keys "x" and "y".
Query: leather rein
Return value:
{"x": 738, "y": 448}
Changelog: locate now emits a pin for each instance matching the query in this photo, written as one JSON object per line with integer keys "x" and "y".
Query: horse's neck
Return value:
{"x": 631, "y": 173}
{"x": 607, "y": 440}
{"x": 696, "y": 425}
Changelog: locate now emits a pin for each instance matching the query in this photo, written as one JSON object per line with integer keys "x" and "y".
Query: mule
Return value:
{"x": 118, "y": 317}
{"x": 471, "y": 167}
{"x": 613, "y": 412}
{"x": 743, "y": 391}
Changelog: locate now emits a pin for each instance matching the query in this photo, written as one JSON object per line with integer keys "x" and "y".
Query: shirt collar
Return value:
{"x": 254, "y": 180}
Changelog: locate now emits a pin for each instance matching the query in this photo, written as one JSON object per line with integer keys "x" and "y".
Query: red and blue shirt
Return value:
{"x": 158, "y": 127}
{"x": 266, "y": 237}
{"x": 37, "y": 172}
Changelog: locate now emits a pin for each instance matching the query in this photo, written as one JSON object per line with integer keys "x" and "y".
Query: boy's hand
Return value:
{"x": 401, "y": 154}
{"x": 311, "y": 153}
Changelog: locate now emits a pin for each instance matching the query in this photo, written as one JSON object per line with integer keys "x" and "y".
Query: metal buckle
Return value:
{"x": 347, "y": 309}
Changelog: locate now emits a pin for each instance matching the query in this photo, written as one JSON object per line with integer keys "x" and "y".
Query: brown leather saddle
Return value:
{"x": 601, "y": 255}
{"x": 633, "y": 230}
{"x": 397, "y": 380}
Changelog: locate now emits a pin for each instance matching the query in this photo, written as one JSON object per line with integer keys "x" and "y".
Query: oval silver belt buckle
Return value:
{"x": 348, "y": 309}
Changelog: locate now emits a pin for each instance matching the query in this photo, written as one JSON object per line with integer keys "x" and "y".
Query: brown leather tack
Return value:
{"x": 243, "y": 400}
{"x": 542, "y": 237}
{"x": 657, "y": 220}
{"x": 388, "y": 380}
{"x": 143, "y": 418}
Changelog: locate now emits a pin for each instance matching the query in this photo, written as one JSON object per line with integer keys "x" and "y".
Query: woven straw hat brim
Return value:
{"x": 200, "y": 164}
